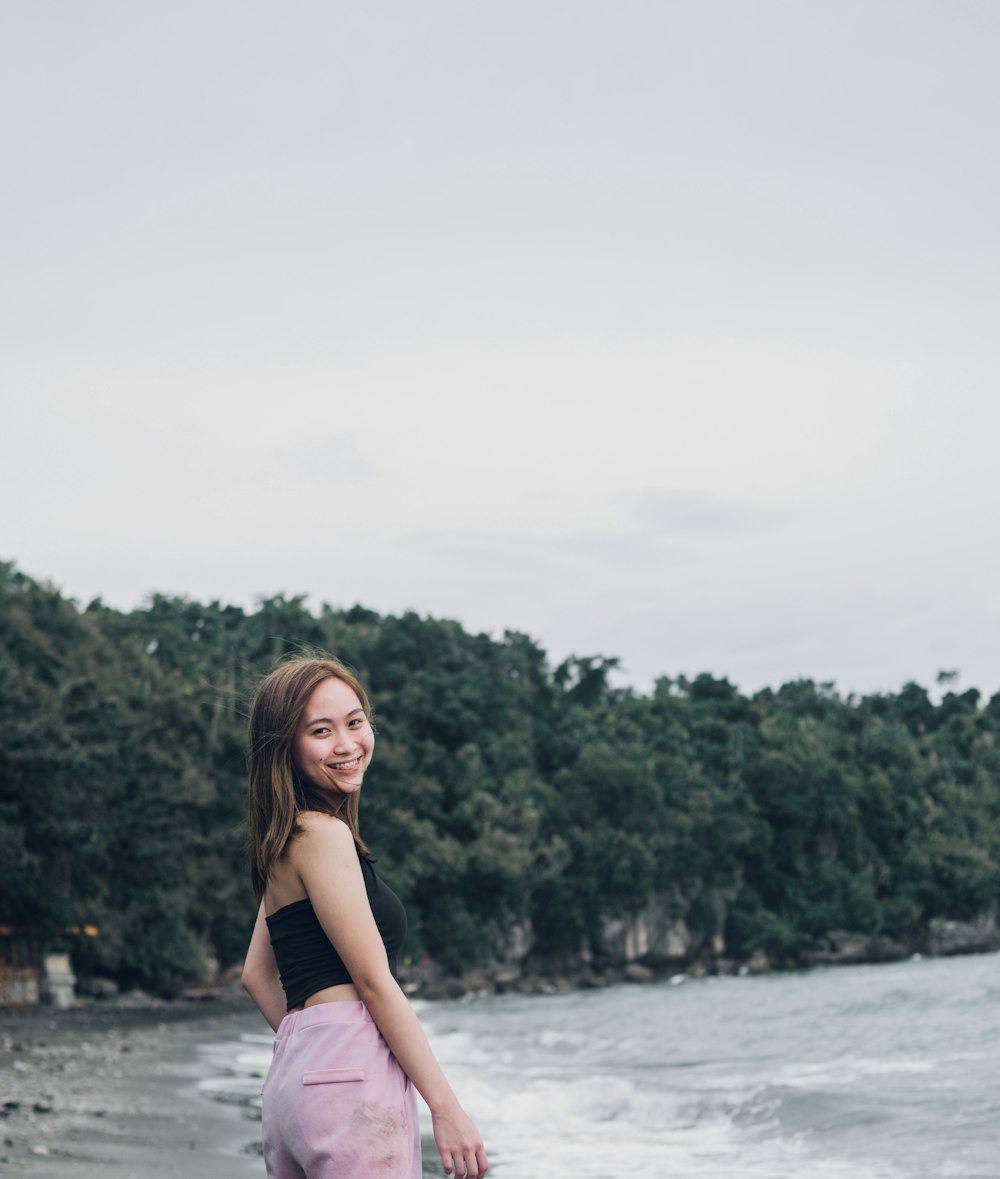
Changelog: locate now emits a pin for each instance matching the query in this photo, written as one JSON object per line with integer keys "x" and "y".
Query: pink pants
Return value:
{"x": 336, "y": 1105}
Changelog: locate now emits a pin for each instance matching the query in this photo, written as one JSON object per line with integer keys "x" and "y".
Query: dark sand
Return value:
{"x": 112, "y": 1094}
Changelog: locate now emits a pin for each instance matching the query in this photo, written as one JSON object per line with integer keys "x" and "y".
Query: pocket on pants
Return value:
{"x": 332, "y": 1076}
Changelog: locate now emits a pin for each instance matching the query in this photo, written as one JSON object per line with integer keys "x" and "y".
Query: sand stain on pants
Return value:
{"x": 335, "y": 1104}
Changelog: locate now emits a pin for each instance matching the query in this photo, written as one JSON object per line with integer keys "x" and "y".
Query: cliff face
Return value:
{"x": 656, "y": 935}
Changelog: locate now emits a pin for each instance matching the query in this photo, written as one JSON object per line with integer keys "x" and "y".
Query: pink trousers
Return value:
{"x": 335, "y": 1104}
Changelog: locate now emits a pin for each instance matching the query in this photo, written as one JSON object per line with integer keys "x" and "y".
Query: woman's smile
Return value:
{"x": 343, "y": 767}
{"x": 335, "y": 740}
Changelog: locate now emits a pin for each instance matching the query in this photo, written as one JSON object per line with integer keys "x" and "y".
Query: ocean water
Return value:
{"x": 864, "y": 1072}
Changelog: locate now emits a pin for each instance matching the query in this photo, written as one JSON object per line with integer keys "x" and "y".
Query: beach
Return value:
{"x": 95, "y": 1092}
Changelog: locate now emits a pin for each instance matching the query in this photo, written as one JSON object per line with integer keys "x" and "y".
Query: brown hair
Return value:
{"x": 278, "y": 793}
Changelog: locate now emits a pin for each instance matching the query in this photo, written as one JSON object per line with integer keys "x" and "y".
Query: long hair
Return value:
{"x": 278, "y": 794}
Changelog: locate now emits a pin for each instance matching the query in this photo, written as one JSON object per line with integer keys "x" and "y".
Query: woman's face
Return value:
{"x": 334, "y": 743}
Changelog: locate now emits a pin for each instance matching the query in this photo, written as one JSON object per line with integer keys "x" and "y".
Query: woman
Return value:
{"x": 338, "y": 1099}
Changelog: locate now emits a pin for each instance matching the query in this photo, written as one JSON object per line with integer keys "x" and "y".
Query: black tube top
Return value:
{"x": 306, "y": 958}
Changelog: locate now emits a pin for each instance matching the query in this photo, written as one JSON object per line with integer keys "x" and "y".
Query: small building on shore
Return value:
{"x": 36, "y": 969}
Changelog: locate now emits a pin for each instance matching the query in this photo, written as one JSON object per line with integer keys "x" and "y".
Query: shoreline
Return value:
{"x": 838, "y": 948}
{"x": 112, "y": 1091}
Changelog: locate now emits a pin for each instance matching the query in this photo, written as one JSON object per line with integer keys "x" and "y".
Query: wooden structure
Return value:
{"x": 20, "y": 968}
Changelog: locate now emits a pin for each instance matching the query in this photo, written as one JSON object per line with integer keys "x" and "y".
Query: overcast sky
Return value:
{"x": 660, "y": 330}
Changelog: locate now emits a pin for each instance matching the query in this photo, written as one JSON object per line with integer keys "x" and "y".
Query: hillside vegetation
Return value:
{"x": 524, "y": 813}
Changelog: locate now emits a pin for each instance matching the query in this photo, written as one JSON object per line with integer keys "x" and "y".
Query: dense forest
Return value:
{"x": 531, "y": 817}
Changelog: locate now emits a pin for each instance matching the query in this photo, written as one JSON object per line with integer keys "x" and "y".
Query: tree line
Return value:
{"x": 506, "y": 795}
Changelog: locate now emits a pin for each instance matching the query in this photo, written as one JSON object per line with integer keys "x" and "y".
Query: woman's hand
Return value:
{"x": 459, "y": 1143}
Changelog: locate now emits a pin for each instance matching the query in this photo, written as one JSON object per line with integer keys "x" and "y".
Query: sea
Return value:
{"x": 859, "y": 1072}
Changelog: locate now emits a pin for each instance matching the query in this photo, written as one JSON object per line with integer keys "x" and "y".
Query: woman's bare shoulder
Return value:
{"x": 321, "y": 843}
{"x": 313, "y": 828}
{"x": 312, "y": 821}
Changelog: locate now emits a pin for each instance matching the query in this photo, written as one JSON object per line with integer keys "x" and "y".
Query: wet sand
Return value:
{"x": 112, "y": 1094}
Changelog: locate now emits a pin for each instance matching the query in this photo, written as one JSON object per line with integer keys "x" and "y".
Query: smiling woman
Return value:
{"x": 338, "y": 1098}
{"x": 289, "y": 737}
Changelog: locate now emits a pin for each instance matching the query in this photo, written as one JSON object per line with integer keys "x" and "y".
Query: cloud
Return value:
{"x": 698, "y": 513}
{"x": 615, "y": 549}
{"x": 551, "y": 553}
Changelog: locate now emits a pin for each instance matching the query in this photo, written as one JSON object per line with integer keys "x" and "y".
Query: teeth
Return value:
{"x": 345, "y": 765}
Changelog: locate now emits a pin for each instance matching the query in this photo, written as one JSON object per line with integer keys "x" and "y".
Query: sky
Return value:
{"x": 664, "y": 331}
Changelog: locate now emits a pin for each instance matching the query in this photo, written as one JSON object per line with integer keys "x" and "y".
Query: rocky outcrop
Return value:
{"x": 660, "y": 941}
{"x": 941, "y": 938}
{"x": 964, "y": 937}
{"x": 841, "y": 947}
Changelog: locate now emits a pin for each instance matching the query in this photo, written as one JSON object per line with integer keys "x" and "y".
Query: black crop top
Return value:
{"x": 306, "y": 958}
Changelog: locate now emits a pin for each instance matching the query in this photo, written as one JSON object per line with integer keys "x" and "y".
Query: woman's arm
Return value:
{"x": 326, "y": 860}
{"x": 260, "y": 976}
